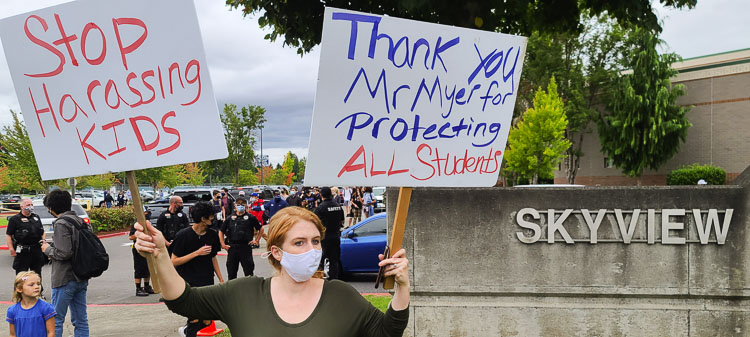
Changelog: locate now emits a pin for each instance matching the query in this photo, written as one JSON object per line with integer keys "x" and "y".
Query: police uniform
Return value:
{"x": 332, "y": 216}
{"x": 239, "y": 230}
{"x": 27, "y": 232}
{"x": 171, "y": 223}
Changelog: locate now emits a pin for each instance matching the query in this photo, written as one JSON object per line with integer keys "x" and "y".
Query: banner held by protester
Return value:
{"x": 110, "y": 86}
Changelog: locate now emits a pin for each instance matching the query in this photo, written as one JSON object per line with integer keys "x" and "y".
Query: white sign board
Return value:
{"x": 408, "y": 103}
{"x": 110, "y": 85}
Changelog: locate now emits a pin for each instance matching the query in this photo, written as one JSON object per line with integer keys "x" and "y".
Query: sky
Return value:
{"x": 249, "y": 70}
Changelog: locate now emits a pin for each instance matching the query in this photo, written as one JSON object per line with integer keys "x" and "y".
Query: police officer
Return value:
{"x": 332, "y": 216}
{"x": 172, "y": 221}
{"x": 238, "y": 229}
{"x": 24, "y": 236}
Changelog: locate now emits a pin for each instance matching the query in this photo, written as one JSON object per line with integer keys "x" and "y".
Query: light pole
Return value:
{"x": 261, "y": 155}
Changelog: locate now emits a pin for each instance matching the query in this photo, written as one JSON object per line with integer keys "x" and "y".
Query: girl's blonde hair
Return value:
{"x": 18, "y": 284}
{"x": 281, "y": 223}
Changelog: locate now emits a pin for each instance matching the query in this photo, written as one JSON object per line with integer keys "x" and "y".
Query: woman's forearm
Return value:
{"x": 400, "y": 299}
{"x": 172, "y": 285}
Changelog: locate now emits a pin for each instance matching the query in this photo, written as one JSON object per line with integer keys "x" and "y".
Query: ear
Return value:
{"x": 276, "y": 253}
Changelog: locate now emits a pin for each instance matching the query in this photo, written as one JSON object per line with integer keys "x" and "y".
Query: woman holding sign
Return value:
{"x": 295, "y": 300}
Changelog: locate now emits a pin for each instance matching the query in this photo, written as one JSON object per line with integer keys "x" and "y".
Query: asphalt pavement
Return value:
{"x": 114, "y": 310}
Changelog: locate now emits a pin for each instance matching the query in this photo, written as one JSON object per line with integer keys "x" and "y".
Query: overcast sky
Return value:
{"x": 246, "y": 69}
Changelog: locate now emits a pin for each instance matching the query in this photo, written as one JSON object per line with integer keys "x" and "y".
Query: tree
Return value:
{"x": 300, "y": 22}
{"x": 646, "y": 126}
{"x": 5, "y": 179}
{"x": 537, "y": 143}
{"x": 18, "y": 156}
{"x": 266, "y": 172}
{"x": 287, "y": 169}
{"x": 237, "y": 128}
{"x": 192, "y": 174}
{"x": 247, "y": 178}
{"x": 98, "y": 181}
{"x": 585, "y": 66}
{"x": 301, "y": 165}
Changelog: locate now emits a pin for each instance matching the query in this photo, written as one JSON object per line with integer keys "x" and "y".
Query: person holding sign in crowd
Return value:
{"x": 140, "y": 266}
{"x": 194, "y": 257}
{"x": 239, "y": 229}
{"x": 171, "y": 221}
{"x": 296, "y": 300}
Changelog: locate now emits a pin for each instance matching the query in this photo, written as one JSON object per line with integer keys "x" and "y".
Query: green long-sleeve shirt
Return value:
{"x": 245, "y": 305}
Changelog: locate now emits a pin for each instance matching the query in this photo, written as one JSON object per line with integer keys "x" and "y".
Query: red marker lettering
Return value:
{"x": 111, "y": 84}
{"x": 137, "y": 130}
{"x": 179, "y": 76}
{"x": 170, "y": 131}
{"x": 66, "y": 39}
{"x": 135, "y": 91}
{"x": 133, "y": 46}
{"x": 85, "y": 145}
{"x": 90, "y": 89}
{"x": 197, "y": 78}
{"x": 419, "y": 149}
{"x": 41, "y": 111}
{"x": 45, "y": 45}
{"x": 75, "y": 104}
{"x": 372, "y": 164}
{"x": 391, "y": 171}
{"x": 351, "y": 167}
{"x": 117, "y": 143}
{"x": 84, "y": 38}
{"x": 145, "y": 74}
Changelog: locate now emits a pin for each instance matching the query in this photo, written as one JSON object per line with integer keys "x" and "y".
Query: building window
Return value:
{"x": 608, "y": 162}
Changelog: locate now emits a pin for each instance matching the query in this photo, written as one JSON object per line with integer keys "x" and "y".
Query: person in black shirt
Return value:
{"x": 172, "y": 221}
{"x": 24, "y": 235}
{"x": 238, "y": 229}
{"x": 194, "y": 256}
{"x": 294, "y": 198}
{"x": 332, "y": 216}
{"x": 140, "y": 266}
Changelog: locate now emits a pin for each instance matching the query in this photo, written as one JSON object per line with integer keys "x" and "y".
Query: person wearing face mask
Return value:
{"x": 24, "y": 237}
{"x": 238, "y": 229}
{"x": 276, "y": 204}
{"x": 294, "y": 198}
{"x": 172, "y": 221}
{"x": 296, "y": 300}
{"x": 194, "y": 257}
{"x": 332, "y": 216}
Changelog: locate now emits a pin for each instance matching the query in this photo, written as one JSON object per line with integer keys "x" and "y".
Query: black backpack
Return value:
{"x": 90, "y": 259}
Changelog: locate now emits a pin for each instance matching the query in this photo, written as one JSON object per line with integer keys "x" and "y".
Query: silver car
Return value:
{"x": 47, "y": 218}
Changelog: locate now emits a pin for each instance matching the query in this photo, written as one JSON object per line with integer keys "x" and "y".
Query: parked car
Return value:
{"x": 379, "y": 194}
{"x": 11, "y": 201}
{"x": 361, "y": 244}
{"x": 96, "y": 198}
{"x": 189, "y": 197}
{"x": 47, "y": 218}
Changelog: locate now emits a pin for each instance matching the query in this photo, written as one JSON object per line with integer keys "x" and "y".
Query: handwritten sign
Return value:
{"x": 408, "y": 103}
{"x": 110, "y": 86}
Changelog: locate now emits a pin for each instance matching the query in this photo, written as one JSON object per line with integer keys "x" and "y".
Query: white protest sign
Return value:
{"x": 408, "y": 103}
{"x": 109, "y": 86}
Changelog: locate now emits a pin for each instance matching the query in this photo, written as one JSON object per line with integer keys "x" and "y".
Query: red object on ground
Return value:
{"x": 210, "y": 330}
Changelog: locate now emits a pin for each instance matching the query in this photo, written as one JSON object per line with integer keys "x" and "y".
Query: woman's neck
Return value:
{"x": 28, "y": 301}
{"x": 291, "y": 286}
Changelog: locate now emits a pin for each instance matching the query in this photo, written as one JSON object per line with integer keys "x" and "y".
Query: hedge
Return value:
{"x": 111, "y": 219}
{"x": 691, "y": 174}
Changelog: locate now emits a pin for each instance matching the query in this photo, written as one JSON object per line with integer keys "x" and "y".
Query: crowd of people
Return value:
{"x": 303, "y": 233}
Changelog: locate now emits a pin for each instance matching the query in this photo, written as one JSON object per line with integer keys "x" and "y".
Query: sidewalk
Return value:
{"x": 126, "y": 320}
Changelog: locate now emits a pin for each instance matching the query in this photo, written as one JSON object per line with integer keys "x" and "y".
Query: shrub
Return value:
{"x": 111, "y": 219}
{"x": 689, "y": 175}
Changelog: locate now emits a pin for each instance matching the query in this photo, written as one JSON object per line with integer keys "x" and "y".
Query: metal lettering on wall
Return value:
{"x": 672, "y": 226}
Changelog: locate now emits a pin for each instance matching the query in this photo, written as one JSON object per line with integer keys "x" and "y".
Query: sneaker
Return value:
{"x": 140, "y": 292}
{"x": 181, "y": 331}
{"x": 148, "y": 289}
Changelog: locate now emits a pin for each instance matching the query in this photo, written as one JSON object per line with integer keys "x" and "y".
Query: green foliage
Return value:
{"x": 238, "y": 126}
{"x": 379, "y": 301}
{"x": 584, "y": 65}
{"x": 16, "y": 154}
{"x": 300, "y": 23}
{"x": 192, "y": 174}
{"x": 537, "y": 143}
{"x": 247, "y": 178}
{"x": 646, "y": 126}
{"x": 691, "y": 174}
{"x": 97, "y": 181}
{"x": 111, "y": 219}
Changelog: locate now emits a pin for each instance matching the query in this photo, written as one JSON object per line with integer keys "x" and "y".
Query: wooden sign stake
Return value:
{"x": 399, "y": 224}
{"x": 138, "y": 210}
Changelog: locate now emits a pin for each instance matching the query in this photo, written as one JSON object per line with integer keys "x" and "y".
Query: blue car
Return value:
{"x": 361, "y": 244}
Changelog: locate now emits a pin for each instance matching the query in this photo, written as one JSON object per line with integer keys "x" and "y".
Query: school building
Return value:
{"x": 718, "y": 89}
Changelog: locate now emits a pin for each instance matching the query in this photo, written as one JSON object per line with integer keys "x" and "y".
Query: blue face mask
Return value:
{"x": 240, "y": 208}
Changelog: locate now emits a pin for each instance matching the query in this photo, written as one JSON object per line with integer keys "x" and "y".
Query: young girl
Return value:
{"x": 30, "y": 316}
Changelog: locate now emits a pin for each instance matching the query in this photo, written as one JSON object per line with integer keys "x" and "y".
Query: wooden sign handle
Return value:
{"x": 399, "y": 224}
{"x": 138, "y": 210}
